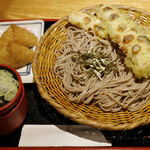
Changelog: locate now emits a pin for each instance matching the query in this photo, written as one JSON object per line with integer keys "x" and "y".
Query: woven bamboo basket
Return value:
{"x": 49, "y": 85}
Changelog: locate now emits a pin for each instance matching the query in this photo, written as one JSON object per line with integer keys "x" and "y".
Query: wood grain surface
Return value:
{"x": 55, "y": 9}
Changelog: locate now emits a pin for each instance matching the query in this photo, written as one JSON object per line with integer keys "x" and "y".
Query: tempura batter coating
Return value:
{"x": 87, "y": 22}
{"x": 130, "y": 36}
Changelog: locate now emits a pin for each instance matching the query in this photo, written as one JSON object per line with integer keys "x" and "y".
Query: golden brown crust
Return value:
{"x": 124, "y": 49}
{"x": 121, "y": 27}
{"x": 128, "y": 38}
{"x": 142, "y": 39}
{"x": 100, "y": 5}
{"x": 113, "y": 17}
{"x": 118, "y": 38}
{"x": 136, "y": 49}
{"x": 107, "y": 8}
{"x": 87, "y": 20}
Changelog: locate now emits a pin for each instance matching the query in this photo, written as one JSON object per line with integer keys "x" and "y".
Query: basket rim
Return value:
{"x": 77, "y": 117}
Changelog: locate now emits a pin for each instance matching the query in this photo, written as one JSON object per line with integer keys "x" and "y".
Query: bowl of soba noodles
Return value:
{"x": 88, "y": 78}
{"x": 13, "y": 104}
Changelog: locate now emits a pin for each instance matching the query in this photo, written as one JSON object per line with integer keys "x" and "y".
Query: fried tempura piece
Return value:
{"x": 112, "y": 23}
{"x": 130, "y": 37}
{"x": 87, "y": 22}
{"x": 19, "y": 35}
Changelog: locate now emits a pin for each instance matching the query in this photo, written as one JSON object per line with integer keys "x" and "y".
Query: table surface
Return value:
{"x": 55, "y": 9}
{"x": 38, "y": 109}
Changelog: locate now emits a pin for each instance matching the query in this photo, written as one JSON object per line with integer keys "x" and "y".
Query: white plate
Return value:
{"x": 37, "y": 28}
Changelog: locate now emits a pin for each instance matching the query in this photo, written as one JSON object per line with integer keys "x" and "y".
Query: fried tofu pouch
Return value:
{"x": 128, "y": 34}
{"x": 10, "y": 55}
{"x": 5, "y": 56}
{"x": 14, "y": 47}
{"x": 19, "y": 35}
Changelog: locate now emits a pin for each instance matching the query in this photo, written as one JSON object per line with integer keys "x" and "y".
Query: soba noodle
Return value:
{"x": 112, "y": 92}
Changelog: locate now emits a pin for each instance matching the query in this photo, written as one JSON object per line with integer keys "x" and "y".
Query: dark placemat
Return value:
{"x": 40, "y": 112}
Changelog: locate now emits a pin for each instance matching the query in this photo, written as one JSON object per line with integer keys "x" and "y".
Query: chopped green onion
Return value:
{"x": 8, "y": 85}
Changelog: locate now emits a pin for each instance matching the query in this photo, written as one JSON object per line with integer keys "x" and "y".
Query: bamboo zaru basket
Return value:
{"x": 49, "y": 85}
